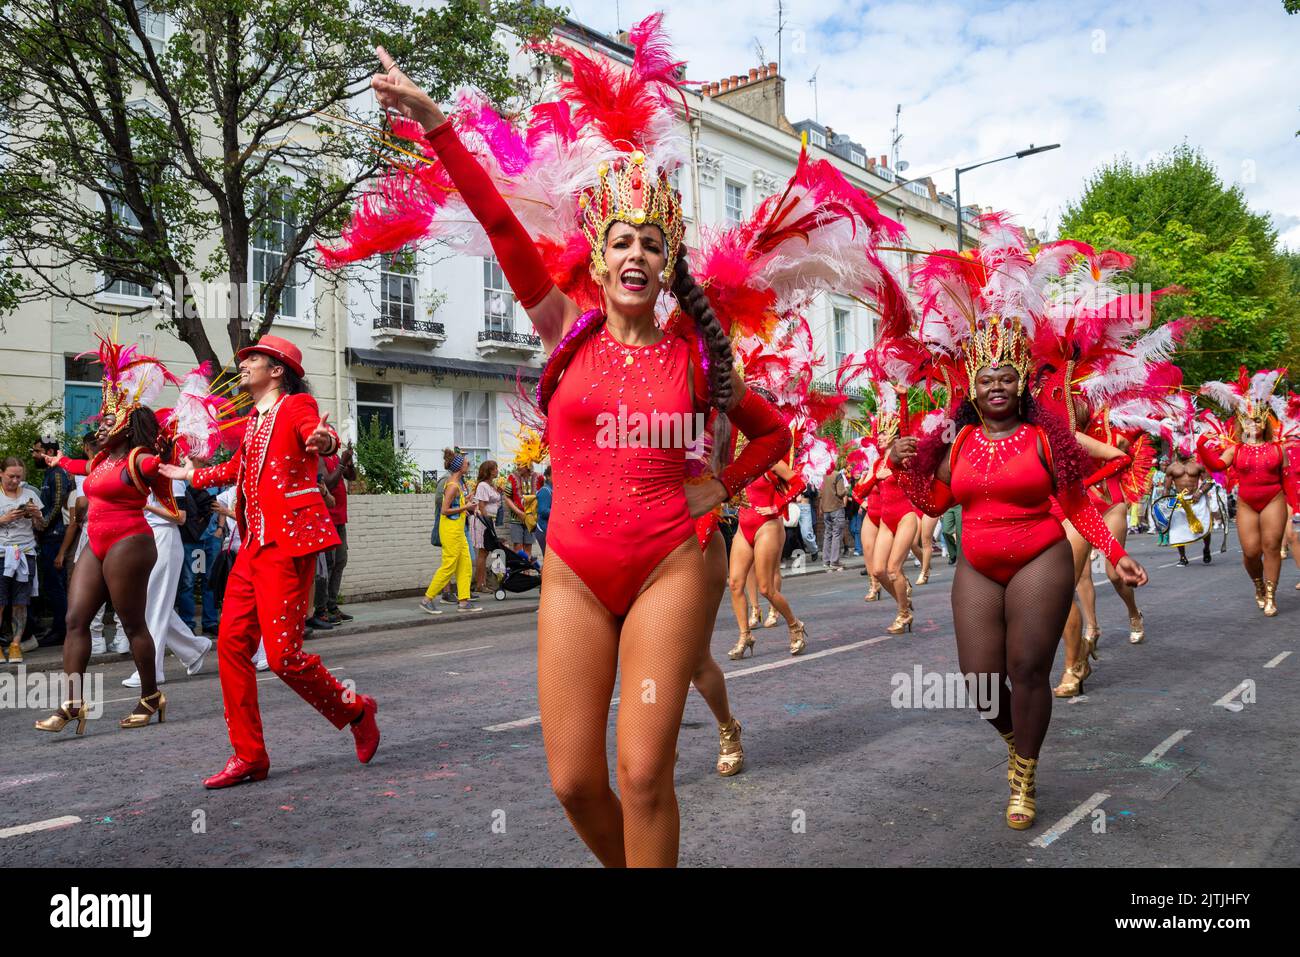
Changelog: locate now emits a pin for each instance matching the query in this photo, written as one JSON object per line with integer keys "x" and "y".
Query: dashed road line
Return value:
{"x": 1165, "y": 745}
{"x": 456, "y": 651}
{"x": 48, "y": 825}
{"x": 1227, "y": 702}
{"x": 1278, "y": 660}
{"x": 1074, "y": 817}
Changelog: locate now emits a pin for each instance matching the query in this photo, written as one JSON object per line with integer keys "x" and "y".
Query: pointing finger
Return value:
{"x": 385, "y": 58}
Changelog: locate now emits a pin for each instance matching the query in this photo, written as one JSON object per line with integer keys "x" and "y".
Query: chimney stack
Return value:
{"x": 753, "y": 74}
{"x": 771, "y": 68}
{"x": 884, "y": 161}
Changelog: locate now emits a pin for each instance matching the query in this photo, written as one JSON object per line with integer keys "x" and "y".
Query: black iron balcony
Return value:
{"x": 493, "y": 336}
{"x": 422, "y": 328}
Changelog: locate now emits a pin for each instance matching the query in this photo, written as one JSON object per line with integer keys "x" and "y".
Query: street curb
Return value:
{"x": 351, "y": 630}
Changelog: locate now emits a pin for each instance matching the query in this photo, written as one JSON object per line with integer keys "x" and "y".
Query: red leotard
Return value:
{"x": 894, "y": 503}
{"x": 116, "y": 501}
{"x": 1005, "y": 491}
{"x": 762, "y": 493}
{"x": 1258, "y": 470}
{"x": 874, "y": 508}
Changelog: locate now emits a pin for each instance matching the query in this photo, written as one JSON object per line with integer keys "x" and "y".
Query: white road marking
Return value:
{"x": 1165, "y": 745}
{"x": 32, "y": 828}
{"x": 8, "y": 783}
{"x": 1227, "y": 702}
{"x": 1071, "y": 819}
{"x": 1076, "y": 699}
{"x": 437, "y": 654}
{"x": 1278, "y": 660}
{"x": 785, "y": 663}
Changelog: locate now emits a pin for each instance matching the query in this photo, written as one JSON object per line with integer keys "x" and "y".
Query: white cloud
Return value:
{"x": 981, "y": 79}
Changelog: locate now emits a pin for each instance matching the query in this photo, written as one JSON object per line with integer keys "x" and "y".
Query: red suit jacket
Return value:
{"x": 283, "y": 475}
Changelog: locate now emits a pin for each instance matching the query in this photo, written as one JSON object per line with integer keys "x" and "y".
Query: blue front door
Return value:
{"x": 80, "y": 408}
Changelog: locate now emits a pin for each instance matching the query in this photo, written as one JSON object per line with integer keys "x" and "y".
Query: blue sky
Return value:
{"x": 981, "y": 78}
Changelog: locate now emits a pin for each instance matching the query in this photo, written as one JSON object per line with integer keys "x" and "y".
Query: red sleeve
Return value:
{"x": 305, "y": 416}
{"x": 148, "y": 465}
{"x": 863, "y": 488}
{"x": 1083, "y": 515}
{"x": 1107, "y": 469}
{"x": 769, "y": 440}
{"x": 934, "y": 500}
{"x": 1209, "y": 456}
{"x": 73, "y": 466}
{"x": 515, "y": 250}
{"x": 218, "y": 475}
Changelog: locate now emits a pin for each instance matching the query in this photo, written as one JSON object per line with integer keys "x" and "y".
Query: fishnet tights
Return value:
{"x": 1012, "y": 632}
{"x": 657, "y": 647}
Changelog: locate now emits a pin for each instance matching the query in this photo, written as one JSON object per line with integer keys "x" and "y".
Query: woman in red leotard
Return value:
{"x": 1013, "y": 586}
{"x": 757, "y": 547}
{"x": 867, "y": 493}
{"x": 1254, "y": 457}
{"x": 624, "y": 580}
{"x": 116, "y": 567}
{"x": 899, "y": 522}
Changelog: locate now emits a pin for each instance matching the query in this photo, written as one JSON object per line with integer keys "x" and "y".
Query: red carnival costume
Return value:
{"x": 283, "y": 523}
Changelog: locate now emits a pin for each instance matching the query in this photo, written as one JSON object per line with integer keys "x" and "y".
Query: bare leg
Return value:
{"x": 708, "y": 679}
{"x": 126, "y": 572}
{"x": 1272, "y": 527}
{"x": 907, "y": 528}
{"x": 767, "y": 566}
{"x": 1117, "y": 521}
{"x": 739, "y": 573}
{"x": 880, "y": 552}
{"x": 928, "y": 524}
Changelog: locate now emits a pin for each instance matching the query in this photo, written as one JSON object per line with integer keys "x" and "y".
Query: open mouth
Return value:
{"x": 634, "y": 279}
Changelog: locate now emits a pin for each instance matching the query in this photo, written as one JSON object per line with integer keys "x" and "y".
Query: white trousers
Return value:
{"x": 160, "y": 616}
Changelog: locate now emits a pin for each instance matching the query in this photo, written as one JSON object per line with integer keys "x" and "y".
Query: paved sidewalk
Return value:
{"x": 397, "y": 613}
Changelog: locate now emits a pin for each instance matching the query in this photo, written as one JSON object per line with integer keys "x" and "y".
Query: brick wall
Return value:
{"x": 389, "y": 554}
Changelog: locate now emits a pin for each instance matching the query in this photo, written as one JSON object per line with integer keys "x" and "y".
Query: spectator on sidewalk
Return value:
{"x": 487, "y": 500}
{"x": 544, "y": 495}
{"x": 522, "y": 481}
{"x": 805, "y": 502}
{"x": 455, "y": 548}
{"x": 56, "y": 491}
{"x": 317, "y": 621}
{"x": 834, "y": 491}
{"x": 950, "y": 528}
{"x": 20, "y": 519}
{"x": 339, "y": 470}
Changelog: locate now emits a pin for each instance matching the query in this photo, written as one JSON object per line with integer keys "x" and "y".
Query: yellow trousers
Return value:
{"x": 455, "y": 559}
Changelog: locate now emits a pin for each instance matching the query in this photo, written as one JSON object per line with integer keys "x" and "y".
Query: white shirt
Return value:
{"x": 157, "y": 521}
{"x": 227, "y": 500}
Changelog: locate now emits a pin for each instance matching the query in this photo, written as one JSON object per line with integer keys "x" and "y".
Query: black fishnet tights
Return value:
{"x": 1013, "y": 632}
{"x": 656, "y": 646}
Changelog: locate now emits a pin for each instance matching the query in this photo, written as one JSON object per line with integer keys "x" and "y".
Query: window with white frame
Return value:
{"x": 397, "y": 289}
{"x": 128, "y": 224}
{"x": 272, "y": 236}
{"x": 154, "y": 26}
{"x": 498, "y": 299}
{"x": 858, "y": 157}
{"x": 472, "y": 424}
{"x": 841, "y": 333}
{"x": 735, "y": 203}
{"x": 376, "y": 408}
{"x": 817, "y": 139}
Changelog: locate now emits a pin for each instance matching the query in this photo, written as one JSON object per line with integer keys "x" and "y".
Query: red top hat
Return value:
{"x": 277, "y": 348}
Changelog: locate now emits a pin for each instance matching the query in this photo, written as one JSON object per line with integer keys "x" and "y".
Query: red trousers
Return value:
{"x": 267, "y": 598}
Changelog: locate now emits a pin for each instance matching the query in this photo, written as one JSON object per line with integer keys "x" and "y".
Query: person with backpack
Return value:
{"x": 455, "y": 548}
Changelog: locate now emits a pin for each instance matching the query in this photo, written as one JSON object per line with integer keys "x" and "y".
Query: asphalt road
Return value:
{"x": 835, "y": 774}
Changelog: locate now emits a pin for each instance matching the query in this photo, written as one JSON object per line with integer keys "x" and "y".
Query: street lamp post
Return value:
{"x": 966, "y": 169}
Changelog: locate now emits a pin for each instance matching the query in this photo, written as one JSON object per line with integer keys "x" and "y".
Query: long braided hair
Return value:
{"x": 694, "y": 303}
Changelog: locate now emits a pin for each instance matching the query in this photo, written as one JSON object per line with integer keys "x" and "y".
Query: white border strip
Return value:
{"x": 1071, "y": 819}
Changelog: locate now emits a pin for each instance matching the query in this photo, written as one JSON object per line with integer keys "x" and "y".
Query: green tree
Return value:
{"x": 136, "y": 131}
{"x": 1188, "y": 229}
{"x": 385, "y": 467}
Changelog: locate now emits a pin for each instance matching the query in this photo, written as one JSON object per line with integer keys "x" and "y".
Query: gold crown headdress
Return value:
{"x": 130, "y": 380}
{"x": 994, "y": 342}
{"x": 628, "y": 193}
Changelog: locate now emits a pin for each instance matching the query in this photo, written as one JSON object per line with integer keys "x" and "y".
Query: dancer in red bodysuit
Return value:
{"x": 1008, "y": 458}
{"x": 867, "y": 493}
{"x": 283, "y": 524}
{"x": 119, "y": 480}
{"x": 1256, "y": 458}
{"x": 758, "y": 547}
{"x": 899, "y": 518}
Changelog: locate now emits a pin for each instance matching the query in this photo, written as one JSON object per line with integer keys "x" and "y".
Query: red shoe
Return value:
{"x": 237, "y": 771}
{"x": 366, "y": 731}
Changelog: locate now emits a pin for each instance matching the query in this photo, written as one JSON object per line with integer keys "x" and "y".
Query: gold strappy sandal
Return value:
{"x": 158, "y": 707}
{"x": 731, "y": 756}
{"x": 1023, "y": 790}
{"x": 68, "y": 712}
{"x": 744, "y": 643}
{"x": 798, "y": 638}
{"x": 1010, "y": 738}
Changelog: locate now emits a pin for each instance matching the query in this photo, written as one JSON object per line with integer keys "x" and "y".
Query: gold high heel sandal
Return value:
{"x": 158, "y": 707}
{"x": 754, "y": 617}
{"x": 1090, "y": 637}
{"x": 873, "y": 593}
{"x": 1270, "y": 599}
{"x": 798, "y": 638}
{"x": 731, "y": 756}
{"x": 771, "y": 618}
{"x": 1071, "y": 685}
{"x": 743, "y": 643}
{"x": 922, "y": 578}
{"x": 1010, "y": 738}
{"x": 902, "y": 623}
{"x": 1023, "y": 791}
{"x": 68, "y": 712}
{"x": 1259, "y": 591}
{"x": 1137, "y": 630}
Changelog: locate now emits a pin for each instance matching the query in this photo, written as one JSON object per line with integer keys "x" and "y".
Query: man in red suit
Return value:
{"x": 283, "y": 523}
